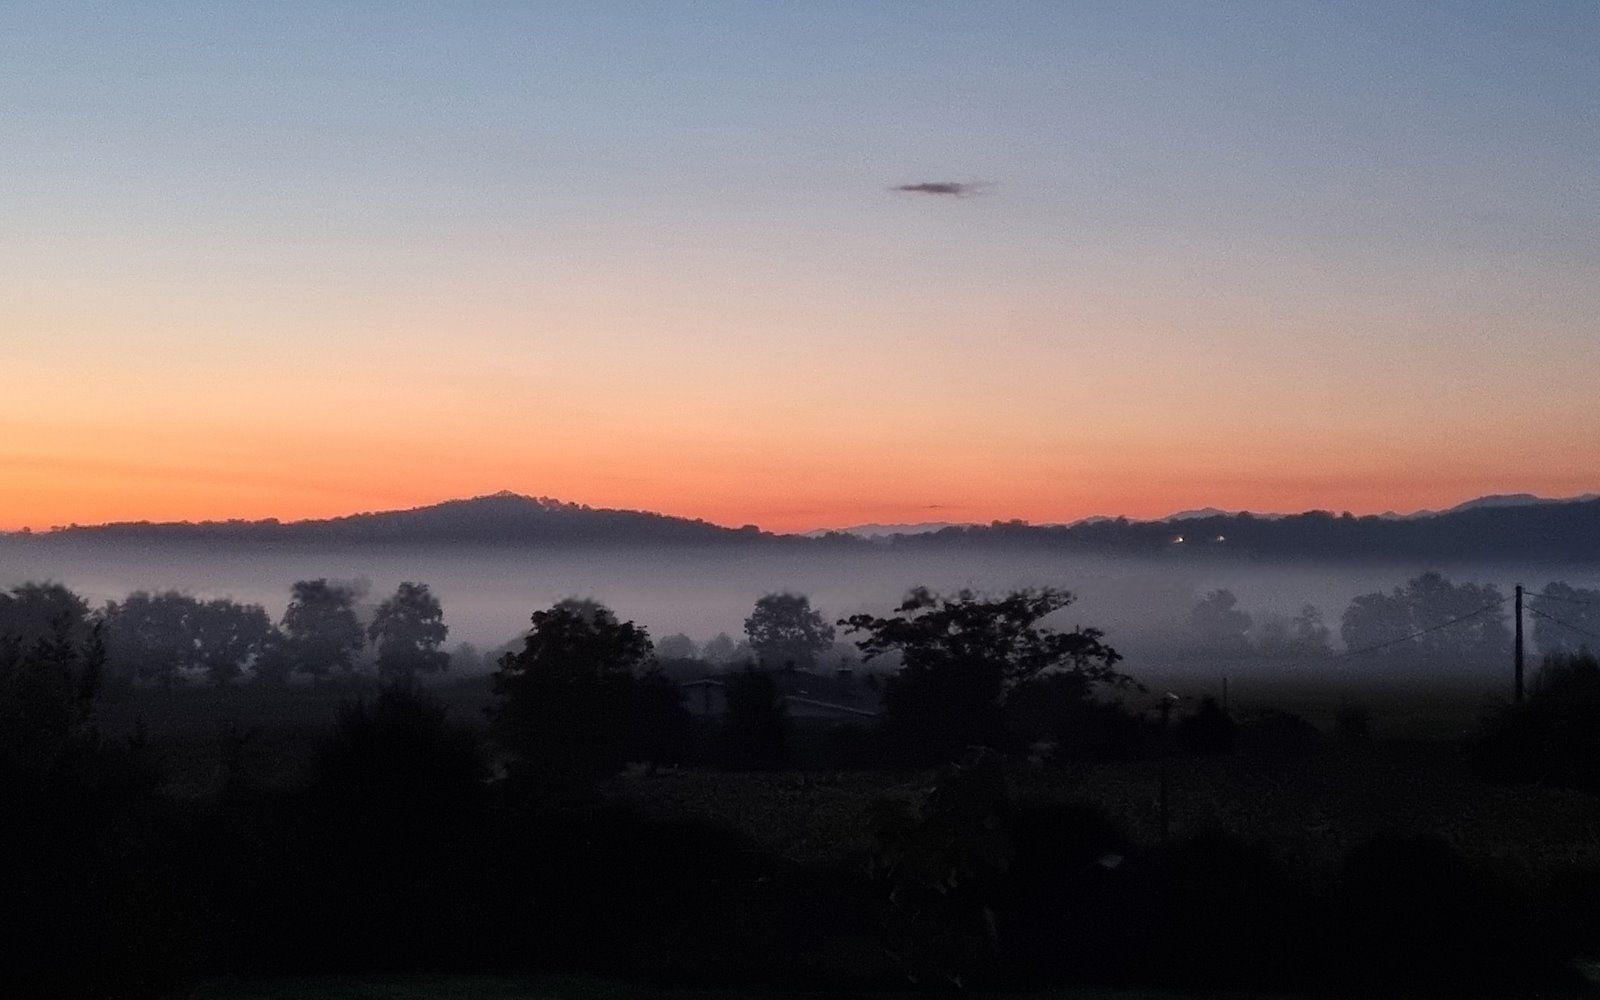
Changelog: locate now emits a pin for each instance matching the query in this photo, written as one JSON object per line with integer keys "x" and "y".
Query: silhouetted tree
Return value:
{"x": 1269, "y": 635}
{"x": 718, "y": 649}
{"x": 1425, "y": 605}
{"x": 1060, "y": 708}
{"x": 394, "y": 794}
{"x": 677, "y": 647}
{"x": 1217, "y": 626}
{"x": 274, "y": 661}
{"x": 565, "y": 699}
{"x": 32, "y": 612}
{"x": 397, "y": 754}
{"x": 150, "y": 636}
{"x": 320, "y": 628}
{"x": 466, "y": 657}
{"x": 1552, "y": 736}
{"x": 227, "y": 636}
{"x": 1577, "y": 607}
{"x": 408, "y": 630}
{"x": 1036, "y": 708}
{"x": 755, "y": 728}
{"x": 1303, "y": 637}
{"x": 48, "y": 683}
{"x": 162, "y": 636}
{"x": 962, "y": 657}
{"x": 784, "y": 631}
{"x": 1308, "y": 634}
{"x": 84, "y": 874}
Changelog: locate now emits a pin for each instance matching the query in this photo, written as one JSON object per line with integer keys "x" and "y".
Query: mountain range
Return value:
{"x": 1514, "y": 526}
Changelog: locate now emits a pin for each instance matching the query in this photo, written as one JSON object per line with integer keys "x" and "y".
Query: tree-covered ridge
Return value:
{"x": 498, "y": 519}
{"x": 1566, "y": 532}
{"x": 1556, "y": 531}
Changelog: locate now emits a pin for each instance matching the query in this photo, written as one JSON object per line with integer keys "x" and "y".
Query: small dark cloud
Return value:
{"x": 954, "y": 189}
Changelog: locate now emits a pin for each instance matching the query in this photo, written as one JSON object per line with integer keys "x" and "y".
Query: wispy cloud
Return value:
{"x": 953, "y": 189}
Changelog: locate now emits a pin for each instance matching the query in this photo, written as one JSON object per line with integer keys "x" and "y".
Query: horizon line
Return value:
{"x": 1184, "y": 513}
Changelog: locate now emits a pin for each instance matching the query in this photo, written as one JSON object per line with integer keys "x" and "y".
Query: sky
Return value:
{"x": 302, "y": 259}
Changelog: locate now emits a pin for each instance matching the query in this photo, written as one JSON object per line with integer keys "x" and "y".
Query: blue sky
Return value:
{"x": 1371, "y": 220}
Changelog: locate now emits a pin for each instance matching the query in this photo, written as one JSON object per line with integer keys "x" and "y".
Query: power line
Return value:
{"x": 1564, "y": 600}
{"x": 1360, "y": 651}
{"x": 1564, "y": 624}
{"x": 1419, "y": 633}
{"x": 1312, "y": 661}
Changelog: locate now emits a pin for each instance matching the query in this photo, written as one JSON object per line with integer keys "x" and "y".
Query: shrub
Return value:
{"x": 1279, "y": 734}
{"x": 1551, "y": 737}
{"x": 1208, "y": 731}
{"x": 755, "y": 731}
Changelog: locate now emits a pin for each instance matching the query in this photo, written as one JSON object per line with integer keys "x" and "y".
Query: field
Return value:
{"x": 673, "y": 858}
{"x": 1313, "y": 807}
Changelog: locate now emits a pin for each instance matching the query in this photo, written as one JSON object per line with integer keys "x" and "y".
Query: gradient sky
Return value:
{"x": 303, "y": 259}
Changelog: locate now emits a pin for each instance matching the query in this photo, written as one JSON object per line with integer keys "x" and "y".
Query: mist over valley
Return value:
{"x": 493, "y": 560}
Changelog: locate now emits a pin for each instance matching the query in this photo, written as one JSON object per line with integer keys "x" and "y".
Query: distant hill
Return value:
{"x": 885, "y": 530}
{"x": 1517, "y": 527}
{"x": 1205, "y": 512}
{"x": 1547, "y": 531}
{"x": 503, "y": 518}
{"x": 1509, "y": 500}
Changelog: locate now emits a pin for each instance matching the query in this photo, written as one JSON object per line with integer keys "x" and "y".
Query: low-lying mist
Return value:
{"x": 488, "y": 593}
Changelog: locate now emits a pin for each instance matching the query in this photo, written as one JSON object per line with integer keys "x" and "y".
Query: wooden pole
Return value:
{"x": 1518, "y": 653}
{"x": 1166, "y": 751}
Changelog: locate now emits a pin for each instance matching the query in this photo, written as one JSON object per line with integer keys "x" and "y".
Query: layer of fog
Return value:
{"x": 488, "y": 594}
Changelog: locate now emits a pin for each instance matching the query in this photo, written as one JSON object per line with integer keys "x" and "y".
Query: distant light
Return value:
{"x": 1178, "y": 540}
{"x": 1222, "y": 538}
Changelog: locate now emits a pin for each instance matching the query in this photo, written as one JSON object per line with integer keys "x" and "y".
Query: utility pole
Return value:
{"x": 1166, "y": 751}
{"x": 1518, "y": 654}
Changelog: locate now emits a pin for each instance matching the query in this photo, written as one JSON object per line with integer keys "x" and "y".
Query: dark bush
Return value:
{"x": 852, "y": 746}
{"x": 1410, "y": 910}
{"x": 1208, "y": 731}
{"x": 755, "y": 731}
{"x": 1278, "y": 734}
{"x": 939, "y": 866}
{"x": 1552, "y": 737}
{"x": 1353, "y": 723}
{"x": 1065, "y": 857}
{"x": 94, "y": 892}
{"x": 1211, "y": 910}
{"x": 1105, "y": 731}
{"x": 395, "y": 795}
{"x": 1060, "y": 709}
{"x": 658, "y": 730}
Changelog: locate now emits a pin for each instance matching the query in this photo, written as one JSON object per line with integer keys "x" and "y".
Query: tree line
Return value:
{"x": 1429, "y": 622}
{"x": 166, "y": 637}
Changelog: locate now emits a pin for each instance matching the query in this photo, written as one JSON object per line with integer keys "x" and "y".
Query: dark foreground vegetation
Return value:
{"x": 1020, "y": 816}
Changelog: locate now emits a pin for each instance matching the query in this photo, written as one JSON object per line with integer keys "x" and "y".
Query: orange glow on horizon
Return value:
{"x": 42, "y": 494}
